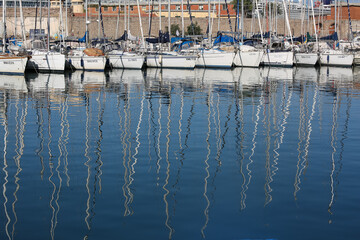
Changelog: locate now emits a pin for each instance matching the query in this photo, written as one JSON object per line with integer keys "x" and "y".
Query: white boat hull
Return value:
{"x": 13, "y": 65}
{"x": 248, "y": 59}
{"x": 47, "y": 62}
{"x": 306, "y": 59}
{"x": 170, "y": 61}
{"x": 280, "y": 59}
{"x": 87, "y": 63}
{"x": 132, "y": 61}
{"x": 336, "y": 59}
{"x": 215, "y": 59}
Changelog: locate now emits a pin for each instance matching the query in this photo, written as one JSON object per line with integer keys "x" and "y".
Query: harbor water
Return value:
{"x": 269, "y": 153}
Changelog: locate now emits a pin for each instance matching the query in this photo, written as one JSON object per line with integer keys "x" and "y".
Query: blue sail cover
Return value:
{"x": 333, "y": 37}
{"x": 265, "y": 35}
{"x": 124, "y": 37}
{"x": 224, "y": 38}
{"x": 83, "y": 39}
{"x": 299, "y": 39}
{"x": 163, "y": 38}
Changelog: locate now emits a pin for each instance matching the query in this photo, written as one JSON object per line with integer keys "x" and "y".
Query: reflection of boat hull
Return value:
{"x": 306, "y": 59}
{"x": 248, "y": 77}
{"x": 170, "y": 61}
{"x": 341, "y": 74}
{"x": 277, "y": 74}
{"x": 13, "y": 65}
{"x": 87, "y": 63}
{"x": 336, "y": 59}
{"x": 305, "y": 74}
{"x": 15, "y": 83}
{"x": 357, "y": 59}
{"x": 47, "y": 62}
{"x": 131, "y": 61}
{"x": 279, "y": 59}
{"x": 248, "y": 58}
{"x": 215, "y": 59}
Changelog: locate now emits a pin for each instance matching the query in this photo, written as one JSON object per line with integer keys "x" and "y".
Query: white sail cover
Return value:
{"x": 131, "y": 37}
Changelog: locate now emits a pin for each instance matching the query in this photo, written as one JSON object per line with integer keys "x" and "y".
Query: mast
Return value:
{"x": 288, "y": 23}
{"x": 48, "y": 26}
{"x": 159, "y": 14}
{"x": 61, "y": 22}
{"x": 4, "y": 25}
{"x": 169, "y": 23}
{"x": 150, "y": 14}
{"x": 15, "y": 18}
{"x": 313, "y": 15}
{"x": 350, "y": 26}
{"x": 22, "y": 22}
{"x": 117, "y": 21}
{"x": 101, "y": 23}
{"x": 140, "y": 22}
{"x": 86, "y": 24}
{"x": 125, "y": 19}
{"x": 259, "y": 20}
{"x": 335, "y": 27}
{"x": 99, "y": 26}
{"x": 40, "y": 13}
{"x": 128, "y": 18}
{"x": 182, "y": 20}
{"x": 209, "y": 32}
{"x": 242, "y": 21}
{"x": 66, "y": 19}
{"x": 219, "y": 13}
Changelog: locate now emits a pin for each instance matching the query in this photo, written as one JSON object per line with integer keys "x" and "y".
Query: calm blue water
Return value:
{"x": 213, "y": 154}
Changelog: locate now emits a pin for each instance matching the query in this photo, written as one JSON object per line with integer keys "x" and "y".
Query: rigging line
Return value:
{"x": 6, "y": 130}
{"x": 300, "y": 138}
{"x": 243, "y": 200}
{"x": 207, "y": 166}
{"x": 87, "y": 163}
{"x": 20, "y": 152}
{"x": 171, "y": 229}
{"x": 40, "y": 130}
{"x": 333, "y": 146}
{"x": 101, "y": 110}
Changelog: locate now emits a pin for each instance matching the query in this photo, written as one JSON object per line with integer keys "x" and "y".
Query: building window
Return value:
{"x": 201, "y": 7}
{"x": 106, "y": 9}
{"x": 131, "y": 8}
{"x": 143, "y": 9}
{"x": 114, "y": 9}
{"x": 224, "y": 7}
{"x": 177, "y": 7}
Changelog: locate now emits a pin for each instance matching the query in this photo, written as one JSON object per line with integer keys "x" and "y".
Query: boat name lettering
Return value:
{"x": 8, "y": 62}
{"x": 91, "y": 60}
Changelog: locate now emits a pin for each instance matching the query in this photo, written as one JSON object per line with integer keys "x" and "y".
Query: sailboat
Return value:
{"x": 280, "y": 53}
{"x": 247, "y": 56}
{"x": 335, "y": 56}
{"x": 42, "y": 58}
{"x": 168, "y": 59}
{"x": 10, "y": 64}
{"x": 119, "y": 58}
{"x": 89, "y": 59}
{"x": 308, "y": 58}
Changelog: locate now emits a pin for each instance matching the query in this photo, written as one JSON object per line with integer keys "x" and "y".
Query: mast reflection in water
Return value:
{"x": 169, "y": 154}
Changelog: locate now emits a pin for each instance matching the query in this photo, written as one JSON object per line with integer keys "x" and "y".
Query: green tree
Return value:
{"x": 248, "y": 7}
{"x": 196, "y": 27}
{"x": 174, "y": 28}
